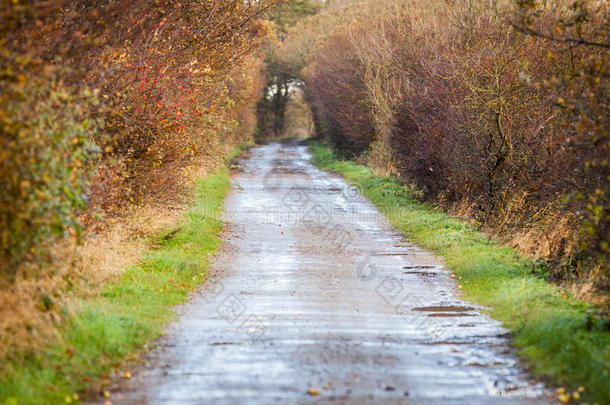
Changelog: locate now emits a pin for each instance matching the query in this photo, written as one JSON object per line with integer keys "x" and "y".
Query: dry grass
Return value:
{"x": 588, "y": 289}
{"x": 31, "y": 309}
{"x": 549, "y": 231}
{"x": 542, "y": 239}
{"x": 537, "y": 233}
{"x": 380, "y": 159}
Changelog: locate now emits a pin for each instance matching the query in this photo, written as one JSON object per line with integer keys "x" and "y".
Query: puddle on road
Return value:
{"x": 447, "y": 342}
{"x": 422, "y": 273}
{"x": 444, "y": 308}
{"x": 449, "y": 314}
{"x": 396, "y": 253}
{"x": 416, "y": 270}
{"x": 493, "y": 364}
{"x": 226, "y": 343}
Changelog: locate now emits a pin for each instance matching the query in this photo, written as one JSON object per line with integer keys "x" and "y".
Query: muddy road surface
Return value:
{"x": 315, "y": 298}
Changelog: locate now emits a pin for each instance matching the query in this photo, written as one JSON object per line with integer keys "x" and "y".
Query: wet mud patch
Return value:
{"x": 236, "y": 168}
{"x": 235, "y": 164}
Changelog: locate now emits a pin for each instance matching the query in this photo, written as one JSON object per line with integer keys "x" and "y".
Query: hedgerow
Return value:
{"x": 101, "y": 106}
{"x": 499, "y": 112}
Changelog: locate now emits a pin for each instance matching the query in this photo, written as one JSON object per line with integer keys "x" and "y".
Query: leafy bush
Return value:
{"x": 44, "y": 160}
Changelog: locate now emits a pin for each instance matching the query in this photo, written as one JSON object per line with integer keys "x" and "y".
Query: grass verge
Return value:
{"x": 558, "y": 336}
{"x": 129, "y": 312}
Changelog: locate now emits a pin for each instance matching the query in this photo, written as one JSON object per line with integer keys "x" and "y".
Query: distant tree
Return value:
{"x": 272, "y": 108}
{"x": 289, "y": 12}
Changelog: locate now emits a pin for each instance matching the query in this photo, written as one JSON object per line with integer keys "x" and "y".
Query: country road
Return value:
{"x": 314, "y": 290}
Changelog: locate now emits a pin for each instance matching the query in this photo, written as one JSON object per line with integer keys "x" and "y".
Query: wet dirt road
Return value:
{"x": 314, "y": 289}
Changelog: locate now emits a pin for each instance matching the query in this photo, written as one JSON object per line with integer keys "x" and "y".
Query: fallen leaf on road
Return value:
{"x": 314, "y": 391}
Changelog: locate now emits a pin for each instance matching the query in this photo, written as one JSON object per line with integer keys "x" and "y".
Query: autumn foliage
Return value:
{"x": 498, "y": 110}
{"x": 101, "y": 102}
{"x": 105, "y": 107}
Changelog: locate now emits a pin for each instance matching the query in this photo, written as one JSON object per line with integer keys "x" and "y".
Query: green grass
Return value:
{"x": 128, "y": 313}
{"x": 556, "y": 335}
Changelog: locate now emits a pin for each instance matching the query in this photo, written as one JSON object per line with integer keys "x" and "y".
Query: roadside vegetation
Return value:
{"x": 496, "y": 110}
{"x": 115, "y": 325}
{"x": 561, "y": 338}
